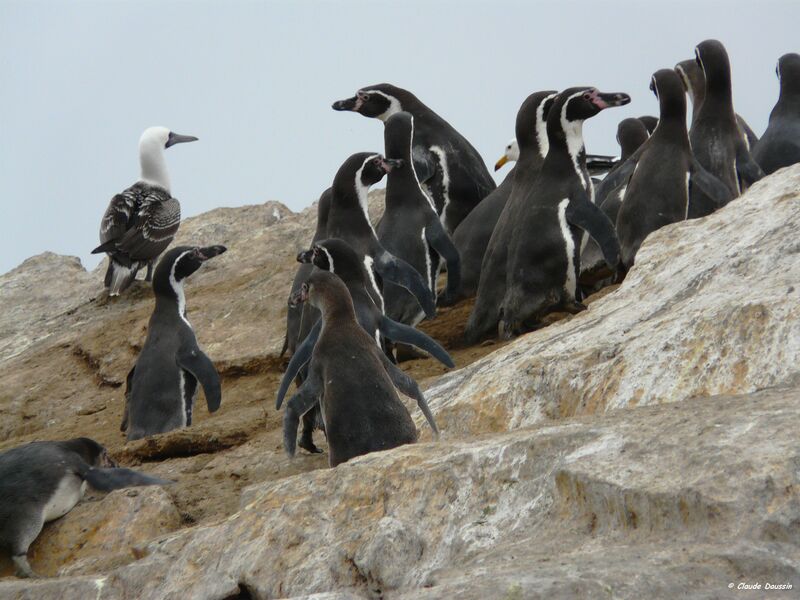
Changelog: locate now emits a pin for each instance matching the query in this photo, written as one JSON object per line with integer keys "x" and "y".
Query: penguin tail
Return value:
{"x": 106, "y": 480}
{"x": 119, "y": 277}
{"x": 108, "y": 246}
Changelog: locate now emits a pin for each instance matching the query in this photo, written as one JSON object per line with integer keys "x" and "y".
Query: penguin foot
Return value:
{"x": 308, "y": 446}
{"x": 574, "y": 307}
{"x": 22, "y": 568}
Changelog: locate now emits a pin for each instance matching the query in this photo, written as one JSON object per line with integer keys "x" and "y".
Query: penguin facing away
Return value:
{"x": 473, "y": 235}
{"x": 162, "y": 384}
{"x": 140, "y": 222}
{"x": 338, "y": 257}
{"x": 650, "y": 122}
{"x": 410, "y": 227}
{"x": 694, "y": 82}
{"x": 541, "y": 265}
{"x": 42, "y": 481}
{"x": 780, "y": 144}
{"x": 348, "y": 219}
{"x": 445, "y": 162}
{"x": 717, "y": 141}
{"x": 662, "y": 173}
{"x": 353, "y": 381}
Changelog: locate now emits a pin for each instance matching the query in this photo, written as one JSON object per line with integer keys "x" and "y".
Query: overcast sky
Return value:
{"x": 80, "y": 81}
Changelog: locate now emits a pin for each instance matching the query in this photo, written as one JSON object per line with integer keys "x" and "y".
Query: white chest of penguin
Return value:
{"x": 69, "y": 492}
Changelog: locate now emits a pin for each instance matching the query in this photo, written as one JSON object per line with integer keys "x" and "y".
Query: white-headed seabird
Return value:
{"x": 140, "y": 223}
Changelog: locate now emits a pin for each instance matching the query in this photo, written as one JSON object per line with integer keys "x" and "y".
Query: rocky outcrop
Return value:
{"x": 645, "y": 448}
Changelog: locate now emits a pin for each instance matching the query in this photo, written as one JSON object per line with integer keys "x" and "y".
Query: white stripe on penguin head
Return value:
{"x": 177, "y": 287}
{"x": 362, "y": 191}
{"x": 394, "y": 105}
{"x": 541, "y": 126}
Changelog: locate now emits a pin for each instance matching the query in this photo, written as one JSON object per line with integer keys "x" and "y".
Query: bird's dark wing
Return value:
{"x": 153, "y": 226}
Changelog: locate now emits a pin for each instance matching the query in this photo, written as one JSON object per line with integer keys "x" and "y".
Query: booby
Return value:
{"x": 140, "y": 222}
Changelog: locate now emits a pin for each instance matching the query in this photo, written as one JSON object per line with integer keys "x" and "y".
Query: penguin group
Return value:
{"x": 561, "y": 225}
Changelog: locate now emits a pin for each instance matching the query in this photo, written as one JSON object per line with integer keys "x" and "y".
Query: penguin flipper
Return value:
{"x": 746, "y": 167}
{"x": 617, "y": 177}
{"x": 709, "y": 184}
{"x": 398, "y": 332}
{"x": 440, "y": 241}
{"x": 303, "y": 400}
{"x": 409, "y": 387}
{"x": 199, "y": 365}
{"x": 128, "y": 385}
{"x": 403, "y": 274}
{"x": 106, "y": 480}
{"x": 424, "y": 165}
{"x": 299, "y": 359}
{"x": 581, "y": 212}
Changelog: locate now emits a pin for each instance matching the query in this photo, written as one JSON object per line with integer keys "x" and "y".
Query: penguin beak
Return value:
{"x": 348, "y": 104}
{"x": 177, "y": 138}
{"x": 306, "y": 256}
{"x": 503, "y": 160}
{"x": 603, "y": 101}
{"x": 206, "y": 253}
{"x": 392, "y": 163}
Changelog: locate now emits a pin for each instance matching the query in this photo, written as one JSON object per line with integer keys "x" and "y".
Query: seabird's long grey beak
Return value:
{"x": 210, "y": 252}
{"x": 348, "y": 104}
{"x": 177, "y": 138}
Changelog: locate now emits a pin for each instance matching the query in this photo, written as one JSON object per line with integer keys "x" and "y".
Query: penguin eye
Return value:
{"x": 587, "y": 96}
{"x": 362, "y": 96}
{"x": 376, "y": 162}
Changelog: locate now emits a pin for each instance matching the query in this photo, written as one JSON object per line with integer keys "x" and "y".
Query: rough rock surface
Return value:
{"x": 646, "y": 448}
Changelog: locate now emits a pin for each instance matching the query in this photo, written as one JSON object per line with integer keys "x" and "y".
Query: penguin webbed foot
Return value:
{"x": 447, "y": 299}
{"x": 574, "y": 307}
{"x": 22, "y": 568}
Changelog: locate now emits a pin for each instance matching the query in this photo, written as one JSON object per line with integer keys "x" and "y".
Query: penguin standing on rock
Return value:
{"x": 338, "y": 257}
{"x": 780, "y": 144}
{"x": 694, "y": 82}
{"x": 348, "y": 219}
{"x": 410, "y": 227}
{"x": 353, "y": 381}
{"x": 716, "y": 139}
{"x": 140, "y": 223}
{"x": 42, "y": 481}
{"x": 541, "y": 267}
{"x": 472, "y": 238}
{"x": 161, "y": 386}
{"x": 660, "y": 177}
{"x": 445, "y": 162}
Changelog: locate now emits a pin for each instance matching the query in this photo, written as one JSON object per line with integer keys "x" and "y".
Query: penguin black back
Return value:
{"x": 780, "y": 144}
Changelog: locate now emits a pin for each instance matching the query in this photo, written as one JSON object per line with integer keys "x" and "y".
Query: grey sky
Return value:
{"x": 80, "y": 81}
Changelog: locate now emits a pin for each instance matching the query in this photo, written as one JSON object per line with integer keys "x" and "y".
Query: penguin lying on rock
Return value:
{"x": 42, "y": 481}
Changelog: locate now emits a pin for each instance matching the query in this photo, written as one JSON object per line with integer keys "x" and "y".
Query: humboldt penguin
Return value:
{"x": 300, "y": 318}
{"x": 662, "y": 174}
{"x": 694, "y": 82}
{"x": 410, "y": 228}
{"x": 338, "y": 257}
{"x": 780, "y": 144}
{"x": 650, "y": 122}
{"x": 140, "y": 222}
{"x": 352, "y": 380}
{"x": 450, "y": 168}
{"x": 473, "y": 234}
{"x": 539, "y": 271}
{"x": 162, "y": 384}
{"x": 717, "y": 141}
{"x": 348, "y": 219}
{"x": 42, "y": 481}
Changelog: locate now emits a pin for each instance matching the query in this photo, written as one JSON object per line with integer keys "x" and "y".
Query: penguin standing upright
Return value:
{"x": 662, "y": 173}
{"x": 410, "y": 227}
{"x": 42, "y": 481}
{"x": 473, "y": 234}
{"x": 162, "y": 384}
{"x": 140, "y": 222}
{"x": 353, "y": 381}
{"x": 542, "y": 263}
{"x": 445, "y": 162}
{"x": 694, "y": 82}
{"x": 348, "y": 219}
{"x": 780, "y": 144}
{"x": 717, "y": 141}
